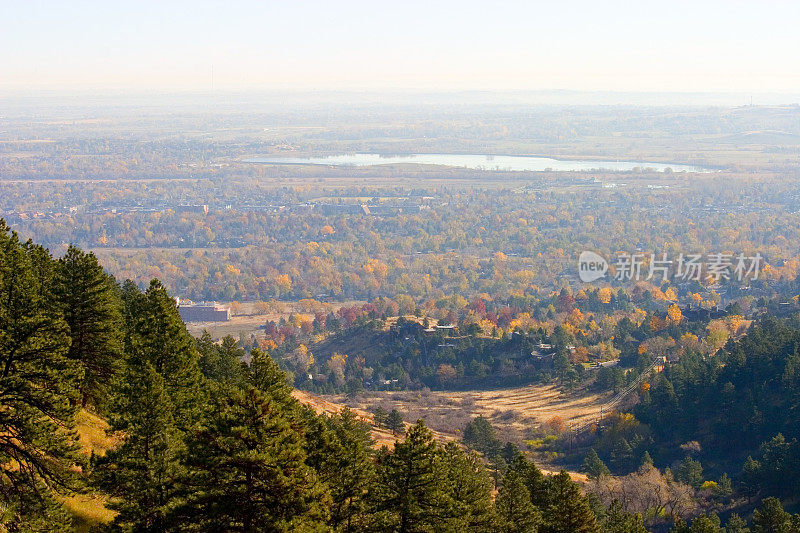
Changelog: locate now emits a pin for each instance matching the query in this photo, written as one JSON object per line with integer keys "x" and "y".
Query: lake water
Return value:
{"x": 473, "y": 161}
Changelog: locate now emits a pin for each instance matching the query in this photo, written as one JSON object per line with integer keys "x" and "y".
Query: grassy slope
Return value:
{"x": 89, "y": 510}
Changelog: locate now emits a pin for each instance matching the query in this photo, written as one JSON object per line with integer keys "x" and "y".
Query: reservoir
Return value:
{"x": 474, "y": 161}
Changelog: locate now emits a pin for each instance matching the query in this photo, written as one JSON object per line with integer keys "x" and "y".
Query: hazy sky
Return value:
{"x": 715, "y": 46}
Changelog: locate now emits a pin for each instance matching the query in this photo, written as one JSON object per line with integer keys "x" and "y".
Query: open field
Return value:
{"x": 518, "y": 413}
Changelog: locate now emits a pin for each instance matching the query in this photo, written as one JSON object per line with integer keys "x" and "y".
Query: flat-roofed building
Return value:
{"x": 204, "y": 312}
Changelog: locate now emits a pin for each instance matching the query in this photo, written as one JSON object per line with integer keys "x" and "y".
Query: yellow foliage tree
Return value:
{"x": 674, "y": 314}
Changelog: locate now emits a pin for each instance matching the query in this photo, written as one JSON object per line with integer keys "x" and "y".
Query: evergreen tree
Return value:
{"x": 409, "y": 495}
{"x": 594, "y": 466}
{"x": 379, "y": 416}
{"x": 568, "y": 510}
{"x": 247, "y": 471}
{"x": 646, "y": 461}
{"x": 621, "y": 455}
{"x": 157, "y": 398}
{"x": 469, "y": 488}
{"x": 701, "y": 524}
{"x": 751, "y": 477}
{"x": 515, "y": 512}
{"x": 91, "y": 307}
{"x": 510, "y": 452}
{"x": 724, "y": 486}
{"x": 536, "y": 483}
{"x": 339, "y": 449}
{"x": 37, "y": 385}
{"x": 44, "y": 271}
{"x": 736, "y": 524}
{"x": 481, "y": 436}
{"x": 690, "y": 472}
{"x": 222, "y": 363}
{"x": 394, "y": 422}
{"x": 267, "y": 376}
{"x": 771, "y": 518}
{"x": 617, "y": 520}
{"x": 141, "y": 474}
{"x": 159, "y": 338}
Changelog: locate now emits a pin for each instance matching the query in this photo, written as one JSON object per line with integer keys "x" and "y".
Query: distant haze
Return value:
{"x": 665, "y": 47}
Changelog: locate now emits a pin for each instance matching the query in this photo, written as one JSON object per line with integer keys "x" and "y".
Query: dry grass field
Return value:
{"x": 518, "y": 413}
{"x": 89, "y": 510}
{"x": 514, "y": 412}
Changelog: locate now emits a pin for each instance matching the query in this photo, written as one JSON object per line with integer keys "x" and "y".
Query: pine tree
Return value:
{"x": 751, "y": 477}
{"x": 379, "y": 415}
{"x": 594, "y": 466}
{"x": 247, "y": 470}
{"x": 469, "y": 488}
{"x": 510, "y": 452}
{"x": 44, "y": 271}
{"x": 724, "y": 486}
{"x": 91, "y": 307}
{"x": 621, "y": 455}
{"x": 770, "y": 517}
{"x": 267, "y": 376}
{"x": 159, "y": 338}
{"x": 37, "y": 384}
{"x": 736, "y": 524}
{"x": 537, "y": 484}
{"x": 157, "y": 399}
{"x": 222, "y": 363}
{"x": 513, "y": 507}
{"x": 394, "y": 422}
{"x": 339, "y": 449}
{"x": 701, "y": 524}
{"x": 617, "y": 520}
{"x": 568, "y": 510}
{"x": 481, "y": 436}
{"x": 690, "y": 472}
{"x": 141, "y": 474}
{"x": 409, "y": 495}
{"x": 646, "y": 461}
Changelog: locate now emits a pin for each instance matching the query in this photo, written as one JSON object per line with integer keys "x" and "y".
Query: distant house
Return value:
{"x": 204, "y": 312}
